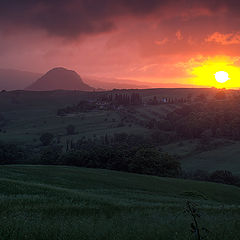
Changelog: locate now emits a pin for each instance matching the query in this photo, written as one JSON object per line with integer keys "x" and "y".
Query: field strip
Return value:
{"x": 88, "y": 196}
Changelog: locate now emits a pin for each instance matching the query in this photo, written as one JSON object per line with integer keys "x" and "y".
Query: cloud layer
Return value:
{"x": 140, "y": 39}
{"x": 75, "y": 17}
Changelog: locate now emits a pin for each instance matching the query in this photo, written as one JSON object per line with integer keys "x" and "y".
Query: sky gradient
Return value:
{"x": 184, "y": 41}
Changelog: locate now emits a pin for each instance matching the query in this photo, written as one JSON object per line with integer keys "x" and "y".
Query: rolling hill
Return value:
{"x": 118, "y": 83}
{"x": 16, "y": 80}
{"x": 59, "y": 79}
{"x": 53, "y": 202}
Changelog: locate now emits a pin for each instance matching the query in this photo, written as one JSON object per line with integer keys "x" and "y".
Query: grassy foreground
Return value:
{"x": 52, "y": 202}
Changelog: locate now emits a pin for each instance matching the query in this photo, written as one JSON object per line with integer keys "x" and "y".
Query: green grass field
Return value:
{"x": 52, "y": 202}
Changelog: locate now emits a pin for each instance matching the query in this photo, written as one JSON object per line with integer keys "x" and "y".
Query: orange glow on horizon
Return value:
{"x": 228, "y": 74}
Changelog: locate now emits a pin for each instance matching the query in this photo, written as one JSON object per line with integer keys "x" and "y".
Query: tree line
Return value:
{"x": 122, "y": 99}
{"x": 142, "y": 159}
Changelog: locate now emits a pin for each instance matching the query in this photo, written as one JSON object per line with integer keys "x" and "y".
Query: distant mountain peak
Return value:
{"x": 60, "y": 78}
{"x": 58, "y": 69}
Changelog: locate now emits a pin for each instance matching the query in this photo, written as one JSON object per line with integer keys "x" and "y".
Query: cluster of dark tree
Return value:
{"x": 152, "y": 140}
{"x": 156, "y": 101}
{"x": 219, "y": 176}
{"x": 111, "y": 152}
{"x": 11, "y": 154}
{"x": 47, "y": 138}
{"x": 111, "y": 100}
{"x": 122, "y": 99}
{"x": 141, "y": 159}
{"x": 220, "y": 95}
{"x": 203, "y": 120}
{"x": 83, "y": 106}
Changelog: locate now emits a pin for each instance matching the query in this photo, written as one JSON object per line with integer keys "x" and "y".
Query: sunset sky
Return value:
{"x": 184, "y": 41}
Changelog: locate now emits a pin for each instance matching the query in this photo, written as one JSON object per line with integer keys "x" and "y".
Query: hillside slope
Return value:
{"x": 50, "y": 202}
{"x": 221, "y": 158}
{"x": 11, "y": 79}
{"x": 225, "y": 156}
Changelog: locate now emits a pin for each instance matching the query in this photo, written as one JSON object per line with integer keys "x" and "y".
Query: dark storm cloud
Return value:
{"x": 70, "y": 18}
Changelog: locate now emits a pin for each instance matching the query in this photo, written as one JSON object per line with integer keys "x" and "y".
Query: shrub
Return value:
{"x": 223, "y": 176}
{"x": 46, "y": 138}
{"x": 151, "y": 161}
{"x": 11, "y": 154}
{"x": 51, "y": 155}
{"x": 70, "y": 129}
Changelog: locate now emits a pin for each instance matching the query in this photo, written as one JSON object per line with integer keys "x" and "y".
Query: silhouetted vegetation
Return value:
{"x": 139, "y": 124}
{"x": 196, "y": 229}
{"x": 140, "y": 159}
{"x": 11, "y": 154}
{"x": 122, "y": 99}
{"x": 225, "y": 177}
{"x": 206, "y": 120}
{"x": 82, "y": 106}
{"x": 46, "y": 139}
{"x": 113, "y": 153}
{"x": 71, "y": 129}
{"x": 218, "y": 176}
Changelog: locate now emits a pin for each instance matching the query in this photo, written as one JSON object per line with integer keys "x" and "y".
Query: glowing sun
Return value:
{"x": 221, "y": 76}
